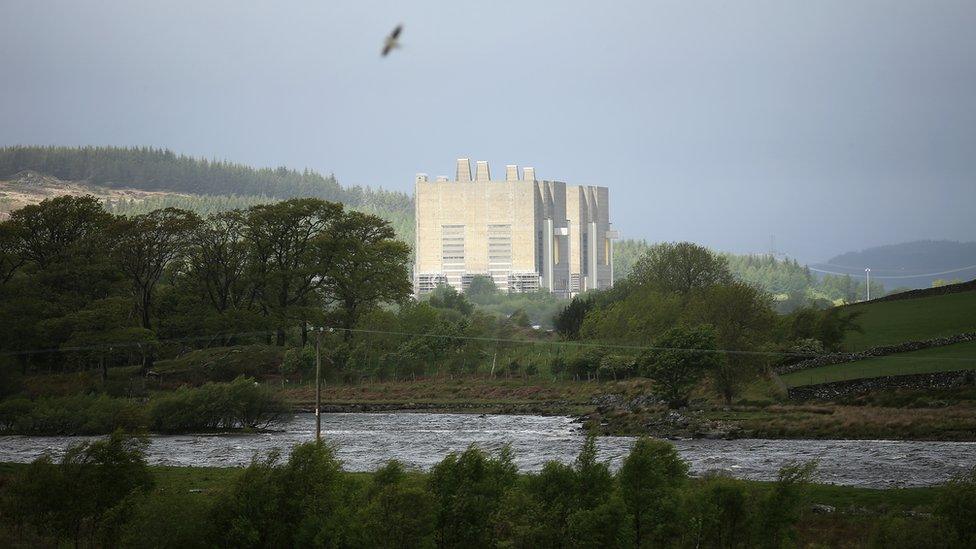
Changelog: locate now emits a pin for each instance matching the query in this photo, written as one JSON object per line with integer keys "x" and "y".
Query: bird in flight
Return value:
{"x": 391, "y": 43}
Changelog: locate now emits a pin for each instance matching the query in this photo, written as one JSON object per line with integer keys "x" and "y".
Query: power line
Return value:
{"x": 887, "y": 277}
{"x": 486, "y": 339}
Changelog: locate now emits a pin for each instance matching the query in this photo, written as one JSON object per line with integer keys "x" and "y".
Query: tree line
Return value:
{"x": 74, "y": 277}
{"x": 697, "y": 322}
{"x": 152, "y": 169}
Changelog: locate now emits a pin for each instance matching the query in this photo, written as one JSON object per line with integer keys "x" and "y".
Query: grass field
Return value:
{"x": 961, "y": 356}
{"x": 890, "y": 322}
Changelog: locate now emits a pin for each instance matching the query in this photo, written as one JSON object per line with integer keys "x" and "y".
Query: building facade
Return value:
{"x": 526, "y": 234}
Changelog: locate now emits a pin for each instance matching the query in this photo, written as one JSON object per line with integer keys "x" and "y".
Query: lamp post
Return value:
{"x": 867, "y": 276}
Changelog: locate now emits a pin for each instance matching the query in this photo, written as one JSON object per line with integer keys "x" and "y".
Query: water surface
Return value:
{"x": 420, "y": 440}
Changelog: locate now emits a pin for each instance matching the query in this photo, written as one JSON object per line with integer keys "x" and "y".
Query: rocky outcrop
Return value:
{"x": 838, "y": 389}
{"x": 841, "y": 358}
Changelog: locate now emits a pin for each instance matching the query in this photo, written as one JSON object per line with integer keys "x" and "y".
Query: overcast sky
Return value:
{"x": 833, "y": 125}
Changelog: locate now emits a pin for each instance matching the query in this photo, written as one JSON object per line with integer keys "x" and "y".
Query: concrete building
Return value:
{"x": 524, "y": 233}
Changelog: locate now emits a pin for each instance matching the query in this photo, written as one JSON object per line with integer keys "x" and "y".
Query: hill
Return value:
{"x": 890, "y": 322}
{"x": 911, "y": 264}
{"x": 136, "y": 180}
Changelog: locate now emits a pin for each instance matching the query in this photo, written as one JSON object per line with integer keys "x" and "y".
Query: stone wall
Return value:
{"x": 838, "y": 389}
{"x": 908, "y": 346}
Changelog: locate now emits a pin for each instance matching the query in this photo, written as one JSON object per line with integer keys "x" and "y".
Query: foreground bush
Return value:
{"x": 98, "y": 495}
{"x": 241, "y": 404}
{"x": 74, "y": 498}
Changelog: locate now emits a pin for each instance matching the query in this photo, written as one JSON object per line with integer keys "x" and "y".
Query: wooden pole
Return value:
{"x": 318, "y": 386}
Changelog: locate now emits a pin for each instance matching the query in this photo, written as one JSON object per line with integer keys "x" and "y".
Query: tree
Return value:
{"x": 10, "y": 260}
{"x": 569, "y": 320}
{"x": 146, "y": 246}
{"x": 57, "y": 227}
{"x": 650, "y": 480}
{"x": 396, "y": 515}
{"x": 218, "y": 261}
{"x": 680, "y": 267}
{"x": 364, "y": 265}
{"x": 682, "y": 358}
{"x": 481, "y": 289}
{"x": 743, "y": 322}
{"x": 445, "y": 296}
{"x": 291, "y": 242}
{"x": 468, "y": 489}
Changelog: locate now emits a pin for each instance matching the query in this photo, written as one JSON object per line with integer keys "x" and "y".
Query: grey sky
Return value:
{"x": 834, "y": 125}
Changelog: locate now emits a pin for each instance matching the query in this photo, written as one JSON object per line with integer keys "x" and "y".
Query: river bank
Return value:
{"x": 629, "y": 408}
{"x": 831, "y": 516}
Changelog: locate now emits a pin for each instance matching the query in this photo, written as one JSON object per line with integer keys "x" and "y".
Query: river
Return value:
{"x": 420, "y": 440}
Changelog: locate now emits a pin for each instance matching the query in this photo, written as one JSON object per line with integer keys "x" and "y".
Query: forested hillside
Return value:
{"x": 203, "y": 186}
{"x": 152, "y": 169}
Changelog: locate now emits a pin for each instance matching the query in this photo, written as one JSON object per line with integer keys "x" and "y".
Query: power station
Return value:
{"x": 526, "y": 234}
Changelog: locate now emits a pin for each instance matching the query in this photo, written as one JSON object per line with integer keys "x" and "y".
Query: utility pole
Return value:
{"x": 318, "y": 385}
{"x": 867, "y": 276}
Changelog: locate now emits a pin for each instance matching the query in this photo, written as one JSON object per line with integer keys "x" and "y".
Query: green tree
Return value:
{"x": 569, "y": 320}
{"x": 680, "y": 267}
{"x": 681, "y": 359}
{"x": 290, "y": 243}
{"x": 650, "y": 480}
{"x": 396, "y": 515}
{"x": 743, "y": 322}
{"x": 146, "y": 246}
{"x": 780, "y": 509}
{"x": 365, "y": 265}
{"x": 481, "y": 289}
{"x": 468, "y": 489}
{"x": 956, "y": 505}
{"x": 445, "y": 296}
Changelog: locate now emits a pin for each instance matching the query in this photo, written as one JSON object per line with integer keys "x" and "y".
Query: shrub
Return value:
{"x": 301, "y": 503}
{"x": 468, "y": 489}
{"x": 957, "y": 506}
{"x": 71, "y": 498}
{"x": 241, "y": 404}
{"x": 73, "y": 415}
{"x": 650, "y": 481}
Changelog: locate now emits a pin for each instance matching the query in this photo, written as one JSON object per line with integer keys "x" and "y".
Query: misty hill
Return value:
{"x": 150, "y": 169}
{"x": 911, "y": 264}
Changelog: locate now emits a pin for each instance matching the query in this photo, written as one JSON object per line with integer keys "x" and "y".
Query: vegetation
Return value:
{"x": 240, "y": 404}
{"x": 99, "y": 289}
{"x": 890, "y": 322}
{"x": 790, "y": 284}
{"x": 951, "y": 358}
{"x": 103, "y": 493}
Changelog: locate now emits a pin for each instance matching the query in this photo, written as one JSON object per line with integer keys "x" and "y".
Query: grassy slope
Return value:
{"x": 961, "y": 356}
{"x": 890, "y": 322}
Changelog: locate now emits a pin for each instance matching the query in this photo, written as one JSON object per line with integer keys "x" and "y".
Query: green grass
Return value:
{"x": 961, "y": 356}
{"x": 891, "y": 322}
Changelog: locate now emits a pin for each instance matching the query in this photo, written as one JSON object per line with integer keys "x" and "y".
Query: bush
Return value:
{"x": 957, "y": 506}
{"x": 651, "y": 478}
{"x": 73, "y": 415}
{"x": 73, "y": 497}
{"x": 468, "y": 489}
{"x": 241, "y": 404}
{"x": 302, "y": 503}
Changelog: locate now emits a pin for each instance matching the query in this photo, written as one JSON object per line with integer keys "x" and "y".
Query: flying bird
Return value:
{"x": 391, "y": 43}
